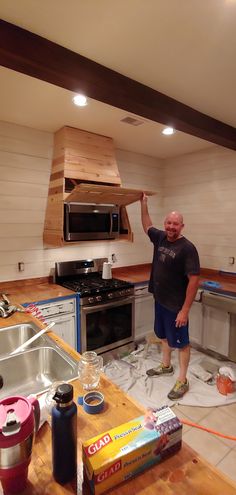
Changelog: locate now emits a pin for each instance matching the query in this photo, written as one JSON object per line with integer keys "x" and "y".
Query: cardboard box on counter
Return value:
{"x": 129, "y": 449}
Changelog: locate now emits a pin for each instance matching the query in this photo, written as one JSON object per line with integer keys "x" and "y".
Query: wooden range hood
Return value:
{"x": 84, "y": 170}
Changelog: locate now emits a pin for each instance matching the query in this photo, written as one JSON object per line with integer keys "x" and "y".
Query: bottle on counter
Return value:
{"x": 64, "y": 434}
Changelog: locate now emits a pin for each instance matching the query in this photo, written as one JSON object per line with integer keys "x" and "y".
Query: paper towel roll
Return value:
{"x": 106, "y": 270}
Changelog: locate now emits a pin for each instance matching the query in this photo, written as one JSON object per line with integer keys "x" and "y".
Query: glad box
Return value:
{"x": 129, "y": 449}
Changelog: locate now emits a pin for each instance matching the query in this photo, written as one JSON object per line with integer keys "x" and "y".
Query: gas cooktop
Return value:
{"x": 85, "y": 278}
{"x": 94, "y": 285}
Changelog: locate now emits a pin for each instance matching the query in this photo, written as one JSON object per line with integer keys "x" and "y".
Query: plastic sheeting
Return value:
{"x": 129, "y": 373}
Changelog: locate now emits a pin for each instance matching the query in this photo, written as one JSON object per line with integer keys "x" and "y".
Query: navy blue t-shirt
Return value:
{"x": 171, "y": 265}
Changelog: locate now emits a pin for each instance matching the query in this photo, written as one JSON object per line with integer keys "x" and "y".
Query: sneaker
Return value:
{"x": 178, "y": 390}
{"x": 161, "y": 370}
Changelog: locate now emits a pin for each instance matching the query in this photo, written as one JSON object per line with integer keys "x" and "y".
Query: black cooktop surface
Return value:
{"x": 94, "y": 284}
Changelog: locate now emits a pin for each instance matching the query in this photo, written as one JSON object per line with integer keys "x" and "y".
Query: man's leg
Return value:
{"x": 184, "y": 358}
{"x": 181, "y": 385}
{"x": 165, "y": 367}
{"x": 166, "y": 353}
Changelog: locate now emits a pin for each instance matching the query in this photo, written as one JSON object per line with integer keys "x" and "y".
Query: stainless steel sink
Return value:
{"x": 12, "y": 337}
{"x": 34, "y": 370}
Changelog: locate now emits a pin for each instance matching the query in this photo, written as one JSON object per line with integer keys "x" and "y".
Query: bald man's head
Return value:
{"x": 173, "y": 224}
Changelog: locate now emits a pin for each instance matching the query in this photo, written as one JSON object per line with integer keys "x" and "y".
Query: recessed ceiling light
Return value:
{"x": 80, "y": 100}
{"x": 168, "y": 131}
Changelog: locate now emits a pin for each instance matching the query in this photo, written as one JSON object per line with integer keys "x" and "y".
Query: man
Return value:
{"x": 173, "y": 282}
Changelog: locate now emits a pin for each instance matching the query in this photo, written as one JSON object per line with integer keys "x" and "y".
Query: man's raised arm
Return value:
{"x": 146, "y": 220}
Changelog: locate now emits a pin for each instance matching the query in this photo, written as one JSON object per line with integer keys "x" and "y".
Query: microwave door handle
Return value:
{"x": 111, "y": 223}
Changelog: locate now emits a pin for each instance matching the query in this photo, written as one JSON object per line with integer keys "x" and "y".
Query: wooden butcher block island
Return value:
{"x": 185, "y": 473}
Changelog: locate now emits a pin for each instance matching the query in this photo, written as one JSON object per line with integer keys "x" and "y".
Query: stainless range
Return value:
{"x": 105, "y": 306}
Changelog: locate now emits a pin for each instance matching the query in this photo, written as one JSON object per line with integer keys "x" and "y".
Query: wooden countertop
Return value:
{"x": 135, "y": 274}
{"x": 33, "y": 290}
{"x": 141, "y": 273}
{"x": 41, "y": 289}
{"x": 185, "y": 473}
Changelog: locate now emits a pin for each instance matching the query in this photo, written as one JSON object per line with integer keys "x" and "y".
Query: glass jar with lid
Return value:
{"x": 90, "y": 367}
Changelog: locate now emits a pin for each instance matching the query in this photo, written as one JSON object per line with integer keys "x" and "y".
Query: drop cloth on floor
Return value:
{"x": 129, "y": 374}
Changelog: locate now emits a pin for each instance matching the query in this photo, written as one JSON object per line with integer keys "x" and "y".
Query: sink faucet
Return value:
{"x": 3, "y": 311}
{"x": 6, "y": 309}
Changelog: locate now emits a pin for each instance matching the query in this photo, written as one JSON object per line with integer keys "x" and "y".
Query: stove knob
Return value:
{"x": 91, "y": 300}
{"x": 110, "y": 295}
{"x": 98, "y": 298}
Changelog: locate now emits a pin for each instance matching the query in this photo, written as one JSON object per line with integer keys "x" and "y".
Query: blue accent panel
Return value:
{"x": 79, "y": 345}
{"x": 47, "y": 301}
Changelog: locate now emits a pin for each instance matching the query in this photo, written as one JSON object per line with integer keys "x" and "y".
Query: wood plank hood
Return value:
{"x": 84, "y": 170}
{"x": 98, "y": 194}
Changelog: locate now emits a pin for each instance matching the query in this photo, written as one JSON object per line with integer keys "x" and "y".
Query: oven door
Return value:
{"x": 107, "y": 326}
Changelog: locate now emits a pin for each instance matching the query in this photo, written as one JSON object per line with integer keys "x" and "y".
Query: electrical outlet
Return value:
{"x": 21, "y": 266}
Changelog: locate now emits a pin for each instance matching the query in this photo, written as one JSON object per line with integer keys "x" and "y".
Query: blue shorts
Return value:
{"x": 164, "y": 327}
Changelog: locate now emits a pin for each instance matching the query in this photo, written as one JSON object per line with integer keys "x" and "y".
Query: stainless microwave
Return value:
{"x": 86, "y": 222}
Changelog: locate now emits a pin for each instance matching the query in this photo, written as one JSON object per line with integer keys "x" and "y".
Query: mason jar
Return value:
{"x": 90, "y": 367}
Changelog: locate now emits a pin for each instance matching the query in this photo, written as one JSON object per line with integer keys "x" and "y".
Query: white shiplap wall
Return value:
{"x": 202, "y": 186}
{"x": 25, "y": 165}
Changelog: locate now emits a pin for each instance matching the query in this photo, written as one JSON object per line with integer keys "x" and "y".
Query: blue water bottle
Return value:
{"x": 64, "y": 435}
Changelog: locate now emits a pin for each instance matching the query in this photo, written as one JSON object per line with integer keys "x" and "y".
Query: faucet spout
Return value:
{"x": 6, "y": 309}
{"x": 3, "y": 312}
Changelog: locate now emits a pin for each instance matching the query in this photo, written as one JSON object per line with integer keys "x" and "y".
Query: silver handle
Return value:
{"x": 111, "y": 223}
{"x": 111, "y": 304}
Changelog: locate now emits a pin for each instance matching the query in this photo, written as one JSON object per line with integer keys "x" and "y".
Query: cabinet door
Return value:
{"x": 195, "y": 323}
{"x": 144, "y": 316}
{"x": 216, "y": 330}
{"x": 65, "y": 328}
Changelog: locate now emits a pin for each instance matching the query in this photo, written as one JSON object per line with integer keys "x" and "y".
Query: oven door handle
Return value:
{"x": 110, "y": 304}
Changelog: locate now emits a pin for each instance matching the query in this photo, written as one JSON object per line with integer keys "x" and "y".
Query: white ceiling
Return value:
{"x": 184, "y": 49}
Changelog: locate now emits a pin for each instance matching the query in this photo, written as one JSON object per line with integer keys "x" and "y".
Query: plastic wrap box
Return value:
{"x": 121, "y": 453}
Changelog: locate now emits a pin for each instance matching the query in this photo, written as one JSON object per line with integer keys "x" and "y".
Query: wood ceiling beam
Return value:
{"x": 35, "y": 56}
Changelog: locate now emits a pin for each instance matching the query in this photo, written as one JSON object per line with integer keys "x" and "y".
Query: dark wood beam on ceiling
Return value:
{"x": 35, "y": 56}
